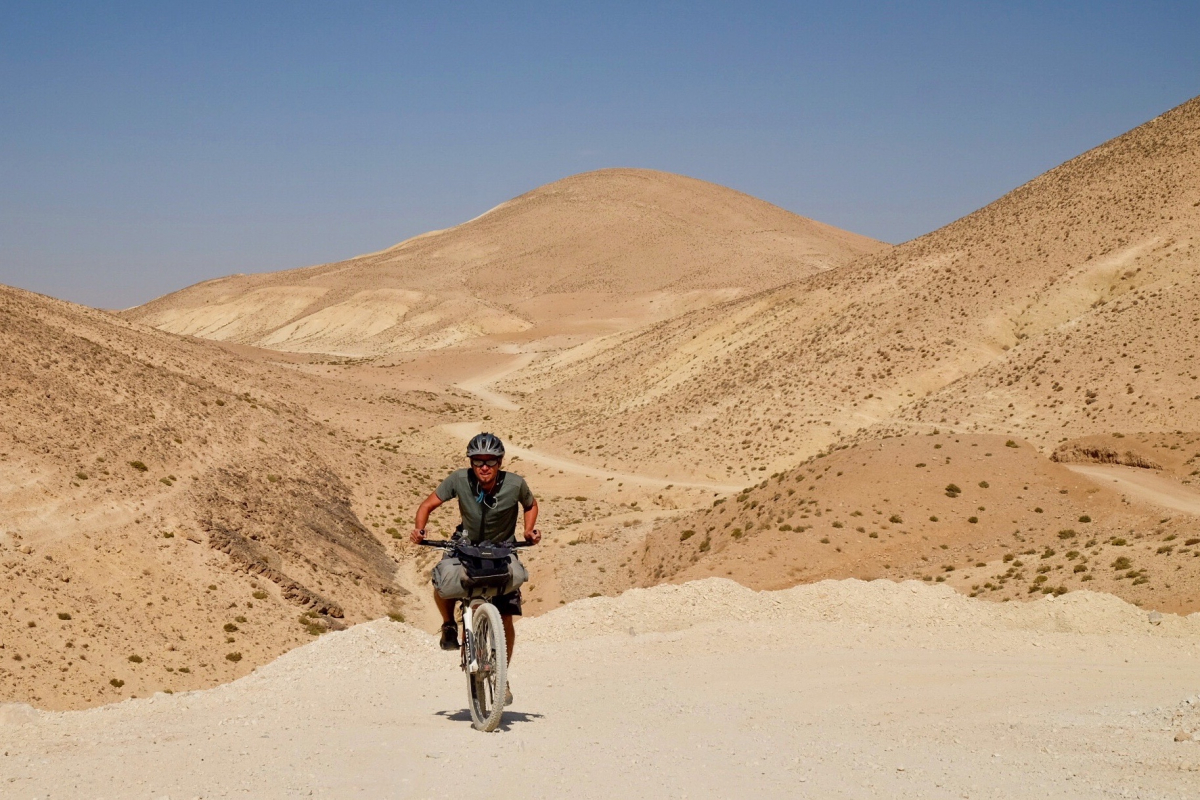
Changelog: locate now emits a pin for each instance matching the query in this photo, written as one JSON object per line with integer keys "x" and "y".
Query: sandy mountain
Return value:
{"x": 611, "y": 247}
{"x": 166, "y": 521}
{"x": 1063, "y": 309}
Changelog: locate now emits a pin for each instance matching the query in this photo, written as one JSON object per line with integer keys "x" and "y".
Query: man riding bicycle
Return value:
{"x": 487, "y": 502}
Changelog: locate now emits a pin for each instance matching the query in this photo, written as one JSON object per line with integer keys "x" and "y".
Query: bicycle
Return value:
{"x": 484, "y": 650}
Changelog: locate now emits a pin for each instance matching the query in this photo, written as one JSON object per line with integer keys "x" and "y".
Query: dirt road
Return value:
{"x": 839, "y": 689}
{"x": 478, "y": 384}
{"x": 1143, "y": 484}
{"x": 465, "y": 430}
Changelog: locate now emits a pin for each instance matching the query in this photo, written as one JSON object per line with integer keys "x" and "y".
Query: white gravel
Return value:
{"x": 837, "y": 689}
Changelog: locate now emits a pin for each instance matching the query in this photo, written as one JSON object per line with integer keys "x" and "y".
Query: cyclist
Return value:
{"x": 487, "y": 501}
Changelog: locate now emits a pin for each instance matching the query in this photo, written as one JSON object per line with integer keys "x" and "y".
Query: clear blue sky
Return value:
{"x": 147, "y": 146}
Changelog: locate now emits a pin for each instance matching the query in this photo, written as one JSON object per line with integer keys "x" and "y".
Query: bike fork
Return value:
{"x": 470, "y": 662}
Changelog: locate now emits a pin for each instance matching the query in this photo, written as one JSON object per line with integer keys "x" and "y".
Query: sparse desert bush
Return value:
{"x": 1037, "y": 510}
{"x": 1066, "y": 533}
{"x": 135, "y": 658}
{"x": 139, "y": 466}
{"x": 239, "y": 618}
{"x": 984, "y": 484}
{"x": 1011, "y": 443}
{"x": 895, "y": 518}
{"x": 1191, "y": 542}
{"x": 63, "y": 615}
{"x": 1008, "y": 557}
{"x": 952, "y": 490}
{"x": 273, "y": 478}
{"x": 117, "y": 683}
{"x": 838, "y": 525}
{"x": 1119, "y": 542}
{"x": 230, "y": 627}
{"x": 1085, "y": 518}
{"x": 973, "y": 520}
{"x": 933, "y": 519}
{"x": 1047, "y": 553}
{"x": 234, "y": 657}
{"x": 1121, "y": 563}
{"x": 83, "y": 476}
{"x": 1080, "y": 568}
{"x": 824, "y": 540}
{"x": 683, "y": 537}
{"x": 395, "y": 616}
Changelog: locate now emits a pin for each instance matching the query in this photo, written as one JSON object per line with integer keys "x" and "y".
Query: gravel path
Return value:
{"x": 1144, "y": 484}
{"x": 838, "y": 689}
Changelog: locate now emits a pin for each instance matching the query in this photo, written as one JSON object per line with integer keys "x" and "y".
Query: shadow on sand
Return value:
{"x": 509, "y": 719}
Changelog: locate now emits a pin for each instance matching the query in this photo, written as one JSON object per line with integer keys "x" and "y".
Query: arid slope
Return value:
{"x": 613, "y": 243}
{"x": 1064, "y": 309}
{"x": 166, "y": 521}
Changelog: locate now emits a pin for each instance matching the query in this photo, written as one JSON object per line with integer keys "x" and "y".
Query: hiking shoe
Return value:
{"x": 449, "y": 636}
{"x": 507, "y": 695}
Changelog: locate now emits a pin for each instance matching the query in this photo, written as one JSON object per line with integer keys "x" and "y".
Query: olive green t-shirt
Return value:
{"x": 498, "y": 513}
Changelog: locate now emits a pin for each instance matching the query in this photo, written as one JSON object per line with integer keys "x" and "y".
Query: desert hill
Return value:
{"x": 610, "y": 244}
{"x": 1007, "y": 406}
{"x": 166, "y": 521}
{"x": 987, "y": 515}
{"x": 1061, "y": 310}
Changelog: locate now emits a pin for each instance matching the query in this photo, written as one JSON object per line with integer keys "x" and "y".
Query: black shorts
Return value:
{"x": 509, "y": 605}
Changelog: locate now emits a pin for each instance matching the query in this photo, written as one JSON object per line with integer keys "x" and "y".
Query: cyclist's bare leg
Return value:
{"x": 445, "y": 607}
{"x": 510, "y": 633}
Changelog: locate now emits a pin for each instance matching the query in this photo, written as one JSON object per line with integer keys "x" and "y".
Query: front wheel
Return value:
{"x": 487, "y": 684}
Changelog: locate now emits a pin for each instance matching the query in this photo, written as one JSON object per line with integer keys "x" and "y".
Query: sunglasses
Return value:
{"x": 485, "y": 462}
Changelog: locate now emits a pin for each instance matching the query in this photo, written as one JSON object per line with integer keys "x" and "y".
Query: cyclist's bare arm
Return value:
{"x": 423, "y": 511}
{"x": 532, "y": 534}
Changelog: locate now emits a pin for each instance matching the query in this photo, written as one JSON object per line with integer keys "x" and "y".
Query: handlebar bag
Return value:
{"x": 485, "y": 566}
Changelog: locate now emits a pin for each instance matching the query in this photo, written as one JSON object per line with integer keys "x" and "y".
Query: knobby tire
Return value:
{"x": 487, "y": 686}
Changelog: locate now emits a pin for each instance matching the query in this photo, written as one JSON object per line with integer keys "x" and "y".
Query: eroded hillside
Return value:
{"x": 166, "y": 521}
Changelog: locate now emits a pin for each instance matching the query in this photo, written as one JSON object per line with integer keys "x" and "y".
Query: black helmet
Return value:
{"x": 485, "y": 444}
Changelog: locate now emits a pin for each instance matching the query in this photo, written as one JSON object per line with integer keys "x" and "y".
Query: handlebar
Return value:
{"x": 447, "y": 544}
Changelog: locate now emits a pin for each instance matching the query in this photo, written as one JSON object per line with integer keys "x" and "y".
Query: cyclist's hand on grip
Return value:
{"x": 417, "y": 536}
{"x": 533, "y": 536}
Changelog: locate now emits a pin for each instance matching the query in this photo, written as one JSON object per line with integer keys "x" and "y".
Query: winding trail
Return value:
{"x": 478, "y": 384}
{"x": 1142, "y": 484}
{"x": 465, "y": 430}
